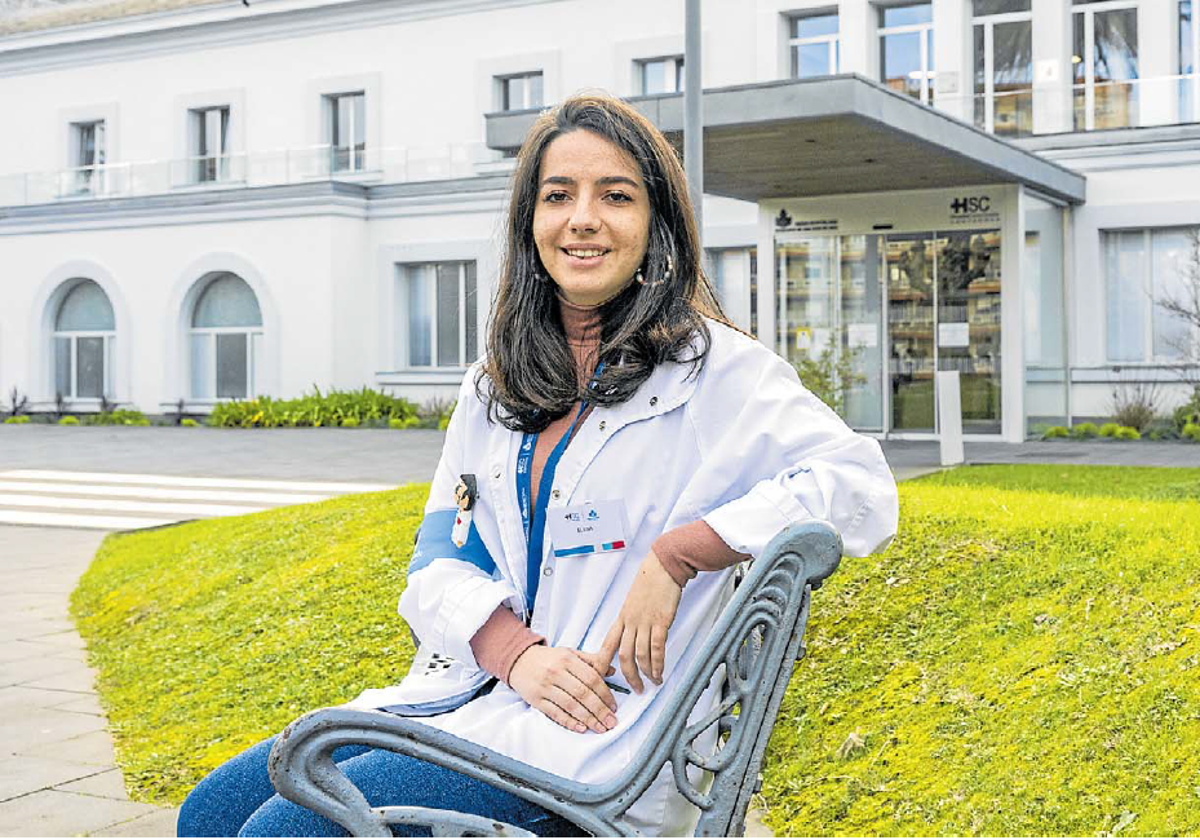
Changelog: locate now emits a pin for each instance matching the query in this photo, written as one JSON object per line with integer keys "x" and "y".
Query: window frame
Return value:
{"x": 355, "y": 153}
{"x": 988, "y": 22}
{"x": 1190, "y": 52}
{"x": 406, "y": 274}
{"x": 252, "y": 385}
{"x": 504, "y": 80}
{"x": 1147, "y": 356}
{"x": 207, "y": 166}
{"x": 73, "y": 337}
{"x": 1088, "y": 10}
{"x": 673, "y": 69}
{"x": 928, "y": 68}
{"x": 795, "y": 41}
{"x": 88, "y": 178}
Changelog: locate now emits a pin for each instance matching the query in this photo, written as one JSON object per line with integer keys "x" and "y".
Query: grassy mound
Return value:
{"x": 1022, "y": 660}
{"x": 213, "y": 635}
{"x": 1018, "y": 662}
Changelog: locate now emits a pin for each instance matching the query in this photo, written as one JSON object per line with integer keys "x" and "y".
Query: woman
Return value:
{"x": 620, "y": 448}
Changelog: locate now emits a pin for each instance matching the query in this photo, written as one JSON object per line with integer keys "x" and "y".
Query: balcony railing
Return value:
{"x": 256, "y": 169}
{"x": 1022, "y": 111}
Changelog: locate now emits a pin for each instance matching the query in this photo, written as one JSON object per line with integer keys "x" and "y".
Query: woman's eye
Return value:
{"x": 619, "y": 197}
{"x": 555, "y": 197}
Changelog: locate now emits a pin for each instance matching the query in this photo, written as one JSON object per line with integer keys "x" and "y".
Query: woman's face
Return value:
{"x": 592, "y": 219}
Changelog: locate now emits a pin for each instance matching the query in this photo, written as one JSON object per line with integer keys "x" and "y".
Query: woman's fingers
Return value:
{"x": 569, "y": 703}
{"x": 642, "y": 648}
{"x": 658, "y": 652}
{"x": 611, "y": 643}
{"x": 627, "y": 659}
{"x": 560, "y": 716}
{"x": 593, "y": 693}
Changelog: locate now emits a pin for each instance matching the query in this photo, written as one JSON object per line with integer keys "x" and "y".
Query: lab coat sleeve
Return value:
{"x": 452, "y": 590}
{"x": 774, "y": 455}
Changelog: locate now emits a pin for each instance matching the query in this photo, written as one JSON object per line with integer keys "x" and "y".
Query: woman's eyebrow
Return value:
{"x": 606, "y": 181}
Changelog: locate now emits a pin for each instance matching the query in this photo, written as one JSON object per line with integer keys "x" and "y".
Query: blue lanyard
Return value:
{"x": 534, "y": 520}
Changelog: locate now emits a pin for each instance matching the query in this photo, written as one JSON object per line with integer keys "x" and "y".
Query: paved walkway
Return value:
{"x": 57, "y": 771}
{"x": 58, "y": 776}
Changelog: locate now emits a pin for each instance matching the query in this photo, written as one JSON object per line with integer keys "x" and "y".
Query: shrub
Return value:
{"x": 117, "y": 417}
{"x": 1109, "y": 430}
{"x": 1192, "y": 432}
{"x": 1134, "y": 404}
{"x": 1188, "y": 413}
{"x": 68, "y": 420}
{"x": 1082, "y": 431}
{"x": 1127, "y": 433}
{"x": 349, "y": 423}
{"x": 17, "y": 419}
{"x": 188, "y": 422}
{"x": 413, "y": 422}
{"x": 1056, "y": 432}
{"x": 315, "y": 409}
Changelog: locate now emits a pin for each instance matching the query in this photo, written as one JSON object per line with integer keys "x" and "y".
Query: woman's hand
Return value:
{"x": 640, "y": 631}
{"x": 565, "y": 687}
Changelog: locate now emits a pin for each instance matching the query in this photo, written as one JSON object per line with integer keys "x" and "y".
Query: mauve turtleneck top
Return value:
{"x": 683, "y": 551}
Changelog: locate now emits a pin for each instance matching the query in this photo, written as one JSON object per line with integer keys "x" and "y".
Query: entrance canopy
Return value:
{"x": 831, "y": 136}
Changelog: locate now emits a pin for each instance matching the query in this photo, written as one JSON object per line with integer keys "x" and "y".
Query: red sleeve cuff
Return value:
{"x": 693, "y": 548}
{"x": 501, "y": 639}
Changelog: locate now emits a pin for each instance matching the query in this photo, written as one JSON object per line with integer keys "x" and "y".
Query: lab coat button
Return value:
{"x": 547, "y": 571}
{"x": 555, "y": 494}
{"x": 602, "y": 425}
{"x": 496, "y": 471}
{"x": 654, "y": 401}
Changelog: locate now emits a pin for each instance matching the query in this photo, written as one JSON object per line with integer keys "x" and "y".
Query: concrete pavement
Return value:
{"x": 58, "y": 776}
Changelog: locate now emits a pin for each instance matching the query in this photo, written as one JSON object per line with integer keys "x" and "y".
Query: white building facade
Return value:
{"x": 219, "y": 202}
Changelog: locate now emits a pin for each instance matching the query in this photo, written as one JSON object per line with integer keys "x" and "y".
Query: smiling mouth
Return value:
{"x": 585, "y": 253}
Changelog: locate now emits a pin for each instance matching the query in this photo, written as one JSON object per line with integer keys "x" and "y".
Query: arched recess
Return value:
{"x": 47, "y": 305}
{"x": 187, "y": 292}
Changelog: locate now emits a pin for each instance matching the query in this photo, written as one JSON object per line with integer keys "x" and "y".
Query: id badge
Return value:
{"x": 590, "y": 528}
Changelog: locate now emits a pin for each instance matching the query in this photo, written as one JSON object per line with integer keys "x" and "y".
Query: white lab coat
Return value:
{"x": 742, "y": 444}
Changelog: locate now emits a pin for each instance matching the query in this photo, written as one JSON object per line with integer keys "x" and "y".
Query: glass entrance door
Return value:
{"x": 911, "y": 361}
{"x": 968, "y": 335}
{"x": 830, "y": 320}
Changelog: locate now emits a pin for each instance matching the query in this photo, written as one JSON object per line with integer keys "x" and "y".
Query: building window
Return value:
{"x": 1143, "y": 269}
{"x": 347, "y": 120}
{"x": 210, "y": 143}
{"x": 84, "y": 332}
{"x": 660, "y": 75}
{"x": 226, "y": 340}
{"x": 1004, "y": 66}
{"x": 1105, "y": 62}
{"x": 520, "y": 91}
{"x": 814, "y": 45}
{"x": 440, "y": 304}
{"x": 1189, "y": 62}
{"x": 89, "y": 154}
{"x": 906, "y": 49}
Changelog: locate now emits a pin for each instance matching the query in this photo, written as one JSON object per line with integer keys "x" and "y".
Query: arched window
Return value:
{"x": 84, "y": 333}
{"x": 226, "y": 340}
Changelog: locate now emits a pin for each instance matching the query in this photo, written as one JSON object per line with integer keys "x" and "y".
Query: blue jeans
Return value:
{"x": 237, "y": 799}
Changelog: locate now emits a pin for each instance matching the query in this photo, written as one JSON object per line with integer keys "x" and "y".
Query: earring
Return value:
{"x": 670, "y": 268}
{"x": 638, "y": 276}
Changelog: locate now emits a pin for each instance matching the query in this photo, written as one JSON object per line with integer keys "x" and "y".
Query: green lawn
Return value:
{"x": 1022, "y": 660}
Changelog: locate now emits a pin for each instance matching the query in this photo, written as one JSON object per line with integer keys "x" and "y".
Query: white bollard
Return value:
{"x": 949, "y": 399}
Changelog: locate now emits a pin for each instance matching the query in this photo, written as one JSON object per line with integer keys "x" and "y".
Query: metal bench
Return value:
{"x": 752, "y": 648}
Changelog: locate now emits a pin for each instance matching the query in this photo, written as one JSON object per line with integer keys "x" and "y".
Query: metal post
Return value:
{"x": 693, "y": 111}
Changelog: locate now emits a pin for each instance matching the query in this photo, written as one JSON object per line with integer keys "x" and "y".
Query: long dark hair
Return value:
{"x": 529, "y": 376}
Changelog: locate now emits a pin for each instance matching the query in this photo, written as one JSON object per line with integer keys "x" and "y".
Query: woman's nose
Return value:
{"x": 584, "y": 218}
